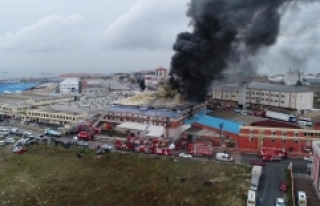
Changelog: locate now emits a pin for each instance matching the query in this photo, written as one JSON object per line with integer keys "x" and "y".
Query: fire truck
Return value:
{"x": 200, "y": 149}
{"x": 272, "y": 154}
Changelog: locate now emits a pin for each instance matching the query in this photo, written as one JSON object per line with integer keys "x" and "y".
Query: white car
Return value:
{"x": 308, "y": 159}
{"x": 184, "y": 155}
{"x": 82, "y": 143}
{"x": 280, "y": 202}
{"x": 16, "y": 149}
{"x": 10, "y": 140}
{"x": 107, "y": 147}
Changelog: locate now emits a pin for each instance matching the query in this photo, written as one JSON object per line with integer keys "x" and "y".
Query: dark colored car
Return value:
{"x": 258, "y": 162}
{"x": 283, "y": 186}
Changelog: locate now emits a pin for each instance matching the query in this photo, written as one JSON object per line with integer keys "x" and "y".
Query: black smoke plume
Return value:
{"x": 226, "y": 33}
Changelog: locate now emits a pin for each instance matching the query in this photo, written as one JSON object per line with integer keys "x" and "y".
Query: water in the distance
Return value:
{"x": 16, "y": 87}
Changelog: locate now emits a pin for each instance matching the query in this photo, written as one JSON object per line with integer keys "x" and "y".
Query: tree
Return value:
{"x": 142, "y": 85}
{"x": 299, "y": 83}
{"x": 132, "y": 80}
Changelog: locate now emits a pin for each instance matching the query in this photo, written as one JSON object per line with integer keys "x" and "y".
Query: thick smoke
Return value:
{"x": 226, "y": 34}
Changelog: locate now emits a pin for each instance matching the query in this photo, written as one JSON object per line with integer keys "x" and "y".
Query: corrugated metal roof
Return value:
{"x": 277, "y": 87}
{"x": 149, "y": 112}
{"x": 229, "y": 126}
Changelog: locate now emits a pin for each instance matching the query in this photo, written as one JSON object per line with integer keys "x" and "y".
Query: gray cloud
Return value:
{"x": 297, "y": 46}
{"x": 52, "y": 33}
{"x": 149, "y": 24}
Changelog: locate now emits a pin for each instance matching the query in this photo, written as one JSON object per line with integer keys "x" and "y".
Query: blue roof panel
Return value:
{"x": 229, "y": 126}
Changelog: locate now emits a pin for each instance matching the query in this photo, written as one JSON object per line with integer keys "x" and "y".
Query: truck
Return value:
{"x": 52, "y": 132}
{"x": 199, "y": 149}
{"x": 255, "y": 177}
{"x": 272, "y": 153}
{"x": 302, "y": 198}
{"x": 281, "y": 116}
{"x": 86, "y": 136}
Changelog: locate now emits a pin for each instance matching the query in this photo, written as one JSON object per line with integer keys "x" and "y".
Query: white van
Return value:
{"x": 224, "y": 157}
{"x": 251, "y": 201}
{"x": 302, "y": 198}
{"x": 4, "y": 132}
{"x": 3, "y": 143}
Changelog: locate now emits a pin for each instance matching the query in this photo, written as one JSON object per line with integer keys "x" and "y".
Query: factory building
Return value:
{"x": 137, "y": 118}
{"x": 70, "y": 85}
{"x": 315, "y": 172}
{"x": 264, "y": 95}
{"x": 17, "y": 104}
{"x": 248, "y": 134}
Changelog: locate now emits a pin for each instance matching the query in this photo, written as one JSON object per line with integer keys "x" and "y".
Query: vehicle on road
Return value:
{"x": 272, "y": 154}
{"x": 109, "y": 147}
{"x": 3, "y": 143}
{"x": 255, "y": 177}
{"x": 184, "y": 155}
{"x": 224, "y": 157}
{"x": 28, "y": 135}
{"x": 200, "y": 149}
{"x": 258, "y": 162}
{"x": 251, "y": 201}
{"x": 42, "y": 137}
{"x": 280, "y": 202}
{"x": 16, "y": 131}
{"x": 281, "y": 116}
{"x": 283, "y": 186}
{"x": 302, "y": 198}
{"x": 4, "y": 132}
{"x": 82, "y": 143}
{"x": 52, "y": 132}
{"x": 308, "y": 159}
{"x": 10, "y": 140}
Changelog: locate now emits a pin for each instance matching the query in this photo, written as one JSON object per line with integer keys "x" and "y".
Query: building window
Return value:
{"x": 272, "y": 140}
{"x": 284, "y": 134}
{"x": 251, "y": 131}
{"x": 273, "y": 133}
{"x": 282, "y": 95}
{"x": 282, "y": 102}
{"x": 283, "y": 141}
{"x": 250, "y": 139}
{"x": 296, "y": 141}
{"x": 296, "y": 134}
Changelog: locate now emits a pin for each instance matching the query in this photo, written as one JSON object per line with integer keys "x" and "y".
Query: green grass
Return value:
{"x": 289, "y": 182}
{"x": 50, "y": 175}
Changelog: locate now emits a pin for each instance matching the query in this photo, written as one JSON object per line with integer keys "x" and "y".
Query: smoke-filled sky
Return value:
{"x": 58, "y": 36}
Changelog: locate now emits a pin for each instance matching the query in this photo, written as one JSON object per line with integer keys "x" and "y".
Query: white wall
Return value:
{"x": 304, "y": 100}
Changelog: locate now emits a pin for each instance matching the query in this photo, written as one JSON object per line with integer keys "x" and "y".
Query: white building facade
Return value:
{"x": 70, "y": 85}
{"x": 282, "y": 96}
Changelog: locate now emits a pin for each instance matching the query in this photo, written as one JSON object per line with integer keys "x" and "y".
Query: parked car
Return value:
{"x": 283, "y": 186}
{"x": 184, "y": 155}
{"x": 82, "y": 143}
{"x": 3, "y": 143}
{"x": 308, "y": 159}
{"x": 28, "y": 135}
{"x": 258, "y": 163}
{"x": 280, "y": 202}
{"x": 107, "y": 147}
{"x": 10, "y": 140}
{"x": 16, "y": 131}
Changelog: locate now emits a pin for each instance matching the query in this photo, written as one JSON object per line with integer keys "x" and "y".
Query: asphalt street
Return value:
{"x": 271, "y": 177}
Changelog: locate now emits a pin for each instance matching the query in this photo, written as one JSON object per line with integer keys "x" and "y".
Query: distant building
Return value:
{"x": 70, "y": 85}
{"x": 264, "y": 95}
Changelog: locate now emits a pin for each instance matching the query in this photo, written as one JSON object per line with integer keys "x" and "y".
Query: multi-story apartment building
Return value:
{"x": 265, "y": 95}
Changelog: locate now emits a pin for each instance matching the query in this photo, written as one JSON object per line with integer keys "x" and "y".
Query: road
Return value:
{"x": 272, "y": 176}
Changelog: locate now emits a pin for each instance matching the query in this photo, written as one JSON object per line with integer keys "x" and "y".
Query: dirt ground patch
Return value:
{"x": 50, "y": 175}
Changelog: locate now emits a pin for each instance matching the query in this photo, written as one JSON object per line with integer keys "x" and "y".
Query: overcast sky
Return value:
{"x": 59, "y": 36}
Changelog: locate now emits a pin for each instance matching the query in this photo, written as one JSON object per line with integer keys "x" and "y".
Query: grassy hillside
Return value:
{"x": 50, "y": 175}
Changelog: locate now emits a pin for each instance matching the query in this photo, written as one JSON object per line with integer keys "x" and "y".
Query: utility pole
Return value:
{"x": 220, "y": 133}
